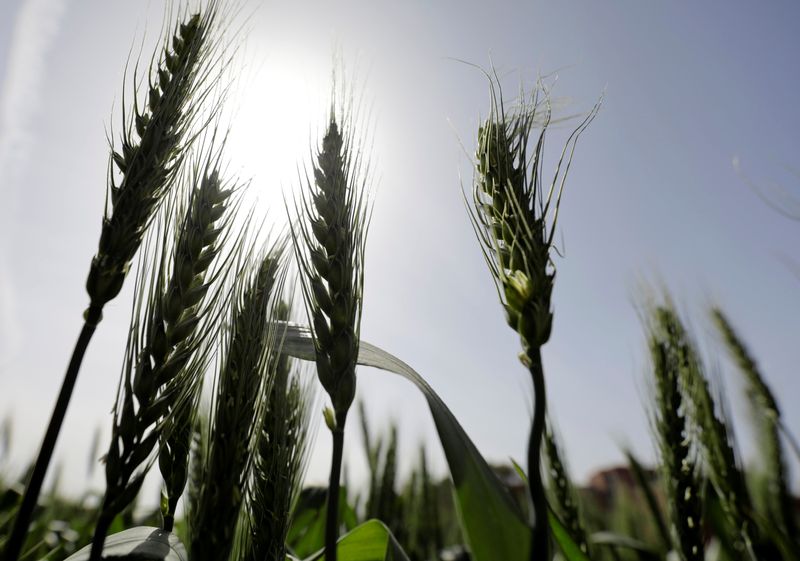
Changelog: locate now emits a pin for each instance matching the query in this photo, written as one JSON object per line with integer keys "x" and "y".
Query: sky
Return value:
{"x": 652, "y": 200}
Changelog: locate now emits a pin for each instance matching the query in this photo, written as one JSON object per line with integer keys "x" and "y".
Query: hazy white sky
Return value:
{"x": 652, "y": 195}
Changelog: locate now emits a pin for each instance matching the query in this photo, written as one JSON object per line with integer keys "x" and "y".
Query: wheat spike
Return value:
{"x": 564, "y": 498}
{"x": 674, "y": 440}
{"x": 240, "y": 385}
{"x": 711, "y": 433}
{"x": 768, "y": 417}
{"x": 329, "y": 245}
{"x": 280, "y": 456}
{"x": 515, "y": 222}
{"x": 153, "y": 143}
{"x": 167, "y": 352}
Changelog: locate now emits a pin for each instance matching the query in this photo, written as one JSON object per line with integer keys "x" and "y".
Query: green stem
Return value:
{"x": 332, "y": 519}
{"x": 169, "y": 518}
{"x": 34, "y": 488}
{"x": 539, "y": 533}
{"x": 99, "y": 538}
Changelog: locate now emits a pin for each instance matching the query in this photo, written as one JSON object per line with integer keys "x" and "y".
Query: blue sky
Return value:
{"x": 652, "y": 198}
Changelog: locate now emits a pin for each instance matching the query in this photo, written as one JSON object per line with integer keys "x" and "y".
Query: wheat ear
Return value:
{"x": 515, "y": 221}
{"x": 240, "y": 385}
{"x": 767, "y": 415}
{"x": 167, "y": 352}
{"x": 329, "y": 245}
{"x": 564, "y": 497}
{"x": 674, "y": 440}
{"x": 280, "y": 457}
{"x": 711, "y": 433}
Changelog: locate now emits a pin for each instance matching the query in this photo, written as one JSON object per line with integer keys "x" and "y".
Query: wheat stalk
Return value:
{"x": 329, "y": 245}
{"x": 167, "y": 352}
{"x": 768, "y": 419}
{"x": 280, "y": 456}
{"x": 515, "y": 221}
{"x": 240, "y": 384}
{"x": 711, "y": 434}
{"x": 674, "y": 440}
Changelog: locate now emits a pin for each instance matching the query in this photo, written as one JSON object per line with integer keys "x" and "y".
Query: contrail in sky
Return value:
{"x": 35, "y": 29}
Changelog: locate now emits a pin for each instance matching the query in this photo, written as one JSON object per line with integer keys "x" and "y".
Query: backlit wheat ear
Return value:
{"x": 329, "y": 244}
{"x": 333, "y": 233}
{"x": 719, "y": 457}
{"x": 173, "y": 459}
{"x": 206, "y": 228}
{"x": 153, "y": 141}
{"x": 280, "y": 457}
{"x": 767, "y": 418}
{"x": 249, "y": 343}
{"x": 515, "y": 222}
{"x": 674, "y": 442}
{"x": 167, "y": 353}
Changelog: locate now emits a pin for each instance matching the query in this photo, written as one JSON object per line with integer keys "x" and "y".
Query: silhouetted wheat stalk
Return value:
{"x": 767, "y": 417}
{"x": 719, "y": 457}
{"x": 515, "y": 220}
{"x": 280, "y": 456}
{"x": 142, "y": 170}
{"x": 247, "y": 358}
{"x": 329, "y": 245}
{"x": 674, "y": 439}
{"x": 168, "y": 351}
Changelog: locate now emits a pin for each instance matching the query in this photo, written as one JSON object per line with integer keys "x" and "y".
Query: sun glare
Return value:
{"x": 279, "y": 109}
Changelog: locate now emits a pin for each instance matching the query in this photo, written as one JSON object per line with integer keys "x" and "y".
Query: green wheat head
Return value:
{"x": 674, "y": 438}
{"x": 169, "y": 343}
{"x": 241, "y": 382}
{"x": 281, "y": 449}
{"x": 154, "y": 137}
{"x": 514, "y": 217}
{"x": 329, "y": 244}
{"x": 710, "y": 432}
{"x": 767, "y": 417}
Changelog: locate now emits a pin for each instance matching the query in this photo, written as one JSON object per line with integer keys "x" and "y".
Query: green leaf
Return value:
{"x": 307, "y": 532}
{"x": 570, "y": 549}
{"x": 141, "y": 543}
{"x": 493, "y": 524}
{"x": 371, "y": 541}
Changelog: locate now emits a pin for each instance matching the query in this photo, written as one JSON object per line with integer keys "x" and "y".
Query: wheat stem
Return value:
{"x": 17, "y": 538}
{"x": 515, "y": 223}
{"x": 540, "y": 544}
{"x": 332, "y": 514}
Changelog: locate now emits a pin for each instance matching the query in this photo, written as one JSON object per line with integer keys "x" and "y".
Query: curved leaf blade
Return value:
{"x": 494, "y": 526}
{"x": 143, "y": 543}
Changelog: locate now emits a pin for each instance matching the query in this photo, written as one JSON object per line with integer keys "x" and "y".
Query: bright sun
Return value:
{"x": 279, "y": 110}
